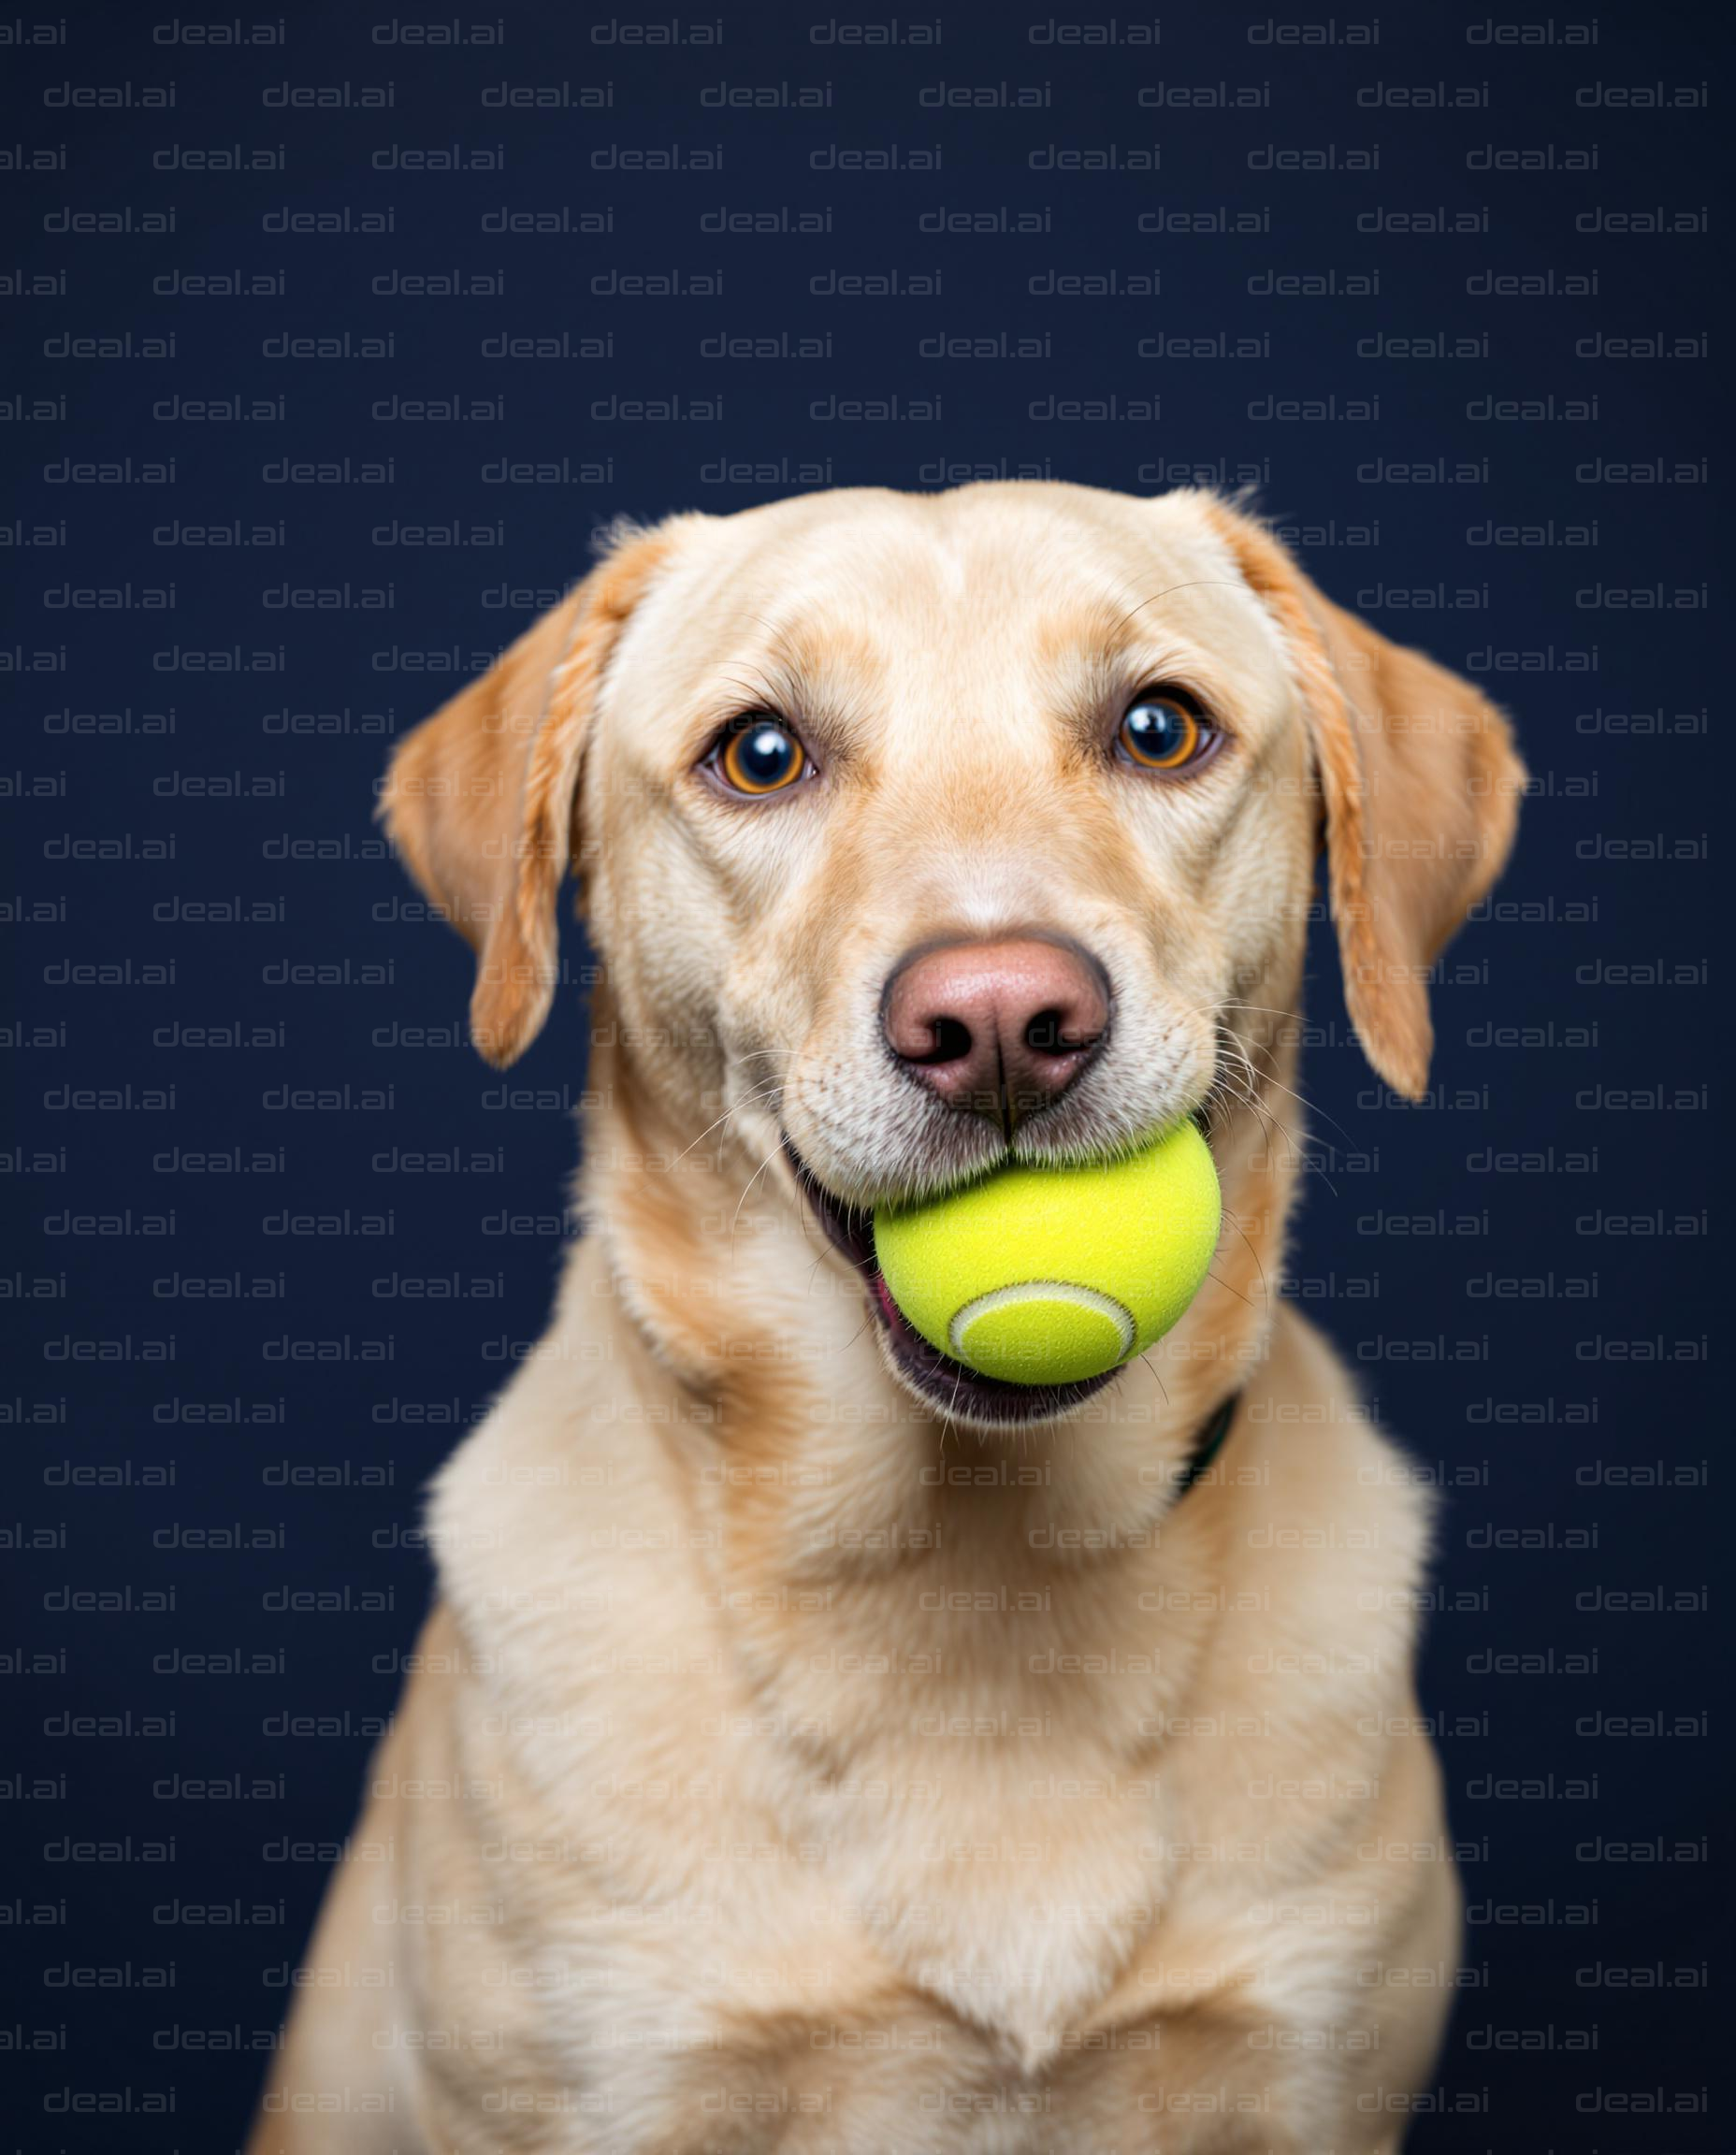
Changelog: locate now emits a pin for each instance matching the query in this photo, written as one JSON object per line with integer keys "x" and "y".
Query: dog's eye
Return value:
{"x": 1162, "y": 733}
{"x": 758, "y": 756}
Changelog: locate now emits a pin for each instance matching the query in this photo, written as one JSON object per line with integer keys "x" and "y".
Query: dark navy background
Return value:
{"x": 213, "y": 1565}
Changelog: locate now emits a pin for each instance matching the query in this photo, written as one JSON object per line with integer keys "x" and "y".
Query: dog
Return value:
{"x": 813, "y": 1745}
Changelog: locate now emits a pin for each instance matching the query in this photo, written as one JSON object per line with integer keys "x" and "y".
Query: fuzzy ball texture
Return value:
{"x": 1051, "y": 1275}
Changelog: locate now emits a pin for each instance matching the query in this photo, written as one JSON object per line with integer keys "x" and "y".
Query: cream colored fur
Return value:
{"x": 785, "y": 1767}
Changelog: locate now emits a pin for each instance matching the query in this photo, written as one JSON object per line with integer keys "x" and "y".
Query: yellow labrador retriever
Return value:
{"x": 815, "y": 1748}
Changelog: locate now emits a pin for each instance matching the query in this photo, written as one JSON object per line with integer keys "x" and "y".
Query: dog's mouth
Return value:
{"x": 939, "y": 1381}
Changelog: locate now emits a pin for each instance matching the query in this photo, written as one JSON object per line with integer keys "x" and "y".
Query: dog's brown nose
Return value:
{"x": 997, "y": 1029}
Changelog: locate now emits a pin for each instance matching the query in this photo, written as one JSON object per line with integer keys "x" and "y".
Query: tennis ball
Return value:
{"x": 1050, "y": 1275}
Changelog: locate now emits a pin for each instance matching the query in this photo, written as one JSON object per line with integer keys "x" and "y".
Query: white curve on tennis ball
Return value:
{"x": 1039, "y": 1291}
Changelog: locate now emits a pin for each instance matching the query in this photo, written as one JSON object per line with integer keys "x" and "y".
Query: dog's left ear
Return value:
{"x": 479, "y": 800}
{"x": 1420, "y": 784}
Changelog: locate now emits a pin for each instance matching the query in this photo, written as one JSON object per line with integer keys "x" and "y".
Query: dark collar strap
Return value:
{"x": 1208, "y": 1444}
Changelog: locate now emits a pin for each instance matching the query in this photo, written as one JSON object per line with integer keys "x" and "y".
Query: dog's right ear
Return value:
{"x": 479, "y": 801}
{"x": 1420, "y": 782}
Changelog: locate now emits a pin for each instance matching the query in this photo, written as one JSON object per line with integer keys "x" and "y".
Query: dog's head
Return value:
{"x": 917, "y": 831}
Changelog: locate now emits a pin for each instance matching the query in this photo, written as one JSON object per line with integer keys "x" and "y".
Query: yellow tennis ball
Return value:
{"x": 1051, "y": 1275}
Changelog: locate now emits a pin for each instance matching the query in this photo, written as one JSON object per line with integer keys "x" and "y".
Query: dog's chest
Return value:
{"x": 1016, "y": 1916}
{"x": 812, "y": 2041}
{"x": 981, "y": 1826}
{"x": 937, "y": 1903}
{"x": 845, "y": 1862}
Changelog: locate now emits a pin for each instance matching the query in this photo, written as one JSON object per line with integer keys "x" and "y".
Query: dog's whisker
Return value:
{"x": 1271, "y": 1122}
{"x": 1274, "y": 1127}
{"x": 750, "y": 1100}
{"x": 1156, "y": 1375}
{"x": 1193, "y": 583}
{"x": 952, "y": 1403}
{"x": 1265, "y": 1078}
{"x": 855, "y": 1335}
{"x": 1265, "y": 1009}
{"x": 1253, "y": 1252}
{"x": 1233, "y": 1039}
{"x": 1228, "y": 1289}
{"x": 1248, "y": 1096}
{"x": 742, "y": 1200}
